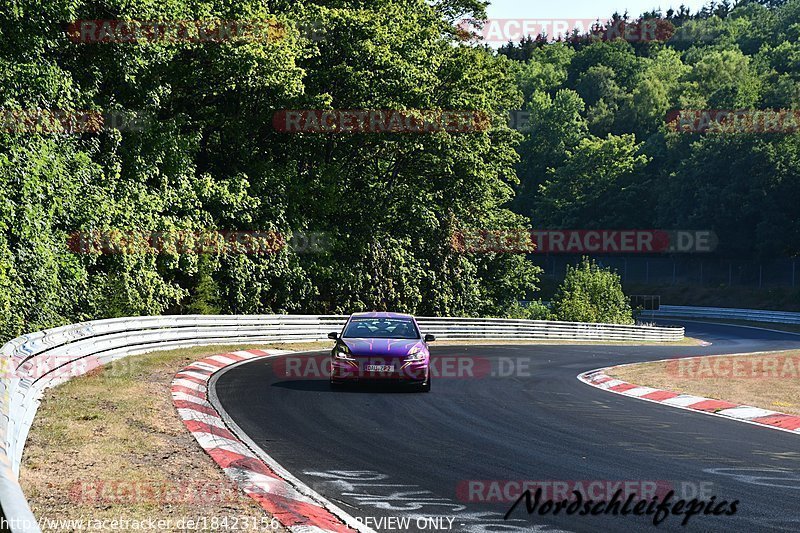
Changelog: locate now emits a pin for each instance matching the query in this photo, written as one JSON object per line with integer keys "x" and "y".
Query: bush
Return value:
{"x": 590, "y": 293}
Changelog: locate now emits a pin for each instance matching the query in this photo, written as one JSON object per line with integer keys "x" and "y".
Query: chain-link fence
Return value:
{"x": 702, "y": 271}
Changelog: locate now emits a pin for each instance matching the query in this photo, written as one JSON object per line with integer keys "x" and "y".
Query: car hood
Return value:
{"x": 382, "y": 347}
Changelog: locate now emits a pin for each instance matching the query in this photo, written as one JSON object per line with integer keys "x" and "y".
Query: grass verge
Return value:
{"x": 109, "y": 446}
{"x": 767, "y": 380}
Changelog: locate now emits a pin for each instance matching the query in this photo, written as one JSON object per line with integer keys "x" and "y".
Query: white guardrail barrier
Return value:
{"x": 729, "y": 313}
{"x": 37, "y": 361}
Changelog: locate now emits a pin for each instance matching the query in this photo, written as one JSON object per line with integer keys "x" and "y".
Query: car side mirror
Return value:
{"x": 429, "y": 337}
{"x": 333, "y": 335}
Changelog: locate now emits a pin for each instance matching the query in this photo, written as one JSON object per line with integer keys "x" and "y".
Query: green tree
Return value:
{"x": 207, "y": 158}
{"x": 585, "y": 192}
{"x": 556, "y": 126}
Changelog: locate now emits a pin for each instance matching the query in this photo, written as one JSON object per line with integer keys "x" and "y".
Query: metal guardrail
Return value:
{"x": 752, "y": 315}
{"x": 35, "y": 362}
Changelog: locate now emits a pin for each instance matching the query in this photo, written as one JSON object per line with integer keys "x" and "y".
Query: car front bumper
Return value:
{"x": 354, "y": 371}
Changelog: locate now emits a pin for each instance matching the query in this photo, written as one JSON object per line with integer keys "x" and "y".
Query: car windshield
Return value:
{"x": 382, "y": 328}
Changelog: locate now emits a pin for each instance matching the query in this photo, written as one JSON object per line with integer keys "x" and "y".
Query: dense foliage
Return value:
{"x": 590, "y": 293}
{"x": 209, "y": 159}
{"x": 533, "y": 310}
{"x": 599, "y": 154}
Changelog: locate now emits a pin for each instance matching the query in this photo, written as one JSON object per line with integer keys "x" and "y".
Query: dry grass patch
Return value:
{"x": 109, "y": 445}
{"x": 768, "y": 380}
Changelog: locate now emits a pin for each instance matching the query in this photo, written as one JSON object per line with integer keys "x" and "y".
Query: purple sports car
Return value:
{"x": 378, "y": 347}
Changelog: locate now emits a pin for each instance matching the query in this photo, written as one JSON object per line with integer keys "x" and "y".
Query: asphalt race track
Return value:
{"x": 387, "y": 453}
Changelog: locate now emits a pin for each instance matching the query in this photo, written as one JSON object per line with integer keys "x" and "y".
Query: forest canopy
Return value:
{"x": 187, "y": 146}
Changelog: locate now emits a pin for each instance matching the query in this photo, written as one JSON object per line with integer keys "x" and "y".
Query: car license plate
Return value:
{"x": 380, "y": 368}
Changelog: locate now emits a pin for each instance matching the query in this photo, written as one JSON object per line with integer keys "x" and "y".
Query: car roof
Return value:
{"x": 380, "y": 314}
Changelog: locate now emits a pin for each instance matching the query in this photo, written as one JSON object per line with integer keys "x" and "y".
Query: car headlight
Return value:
{"x": 416, "y": 354}
{"x": 343, "y": 352}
